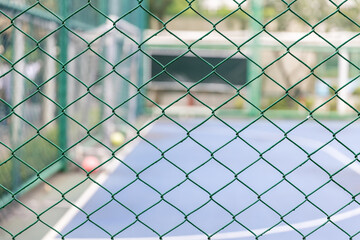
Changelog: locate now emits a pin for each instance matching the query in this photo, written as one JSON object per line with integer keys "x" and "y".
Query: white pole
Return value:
{"x": 109, "y": 89}
{"x": 132, "y": 91}
{"x": 50, "y": 87}
{"x": 72, "y": 68}
{"x": 18, "y": 83}
{"x": 114, "y": 9}
{"x": 343, "y": 79}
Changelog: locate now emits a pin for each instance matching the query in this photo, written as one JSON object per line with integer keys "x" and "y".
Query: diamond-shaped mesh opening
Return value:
{"x": 32, "y": 36}
{"x": 343, "y": 136}
{"x": 279, "y": 15}
{"x": 337, "y": 21}
{"x": 158, "y": 182}
{"x": 157, "y": 223}
{"x": 91, "y": 75}
{"x": 190, "y": 159}
{"x": 239, "y": 200}
{"x": 310, "y": 135}
{"x": 250, "y": 216}
{"x": 19, "y": 209}
{"x": 305, "y": 187}
{"x": 270, "y": 177}
{"x": 341, "y": 157}
{"x": 287, "y": 69}
{"x": 336, "y": 232}
{"x": 261, "y": 135}
{"x": 117, "y": 211}
{"x": 211, "y": 210}
{"x": 141, "y": 191}
{"x": 283, "y": 162}
{"x": 230, "y": 19}
{"x": 188, "y": 197}
{"x": 306, "y": 10}
{"x": 91, "y": 115}
{"x": 295, "y": 198}
{"x": 29, "y": 155}
{"x": 343, "y": 198}
{"x": 211, "y": 183}
{"x": 237, "y": 162}
{"x": 187, "y": 13}
{"x": 342, "y": 223}
{"x": 299, "y": 216}
{"x": 82, "y": 9}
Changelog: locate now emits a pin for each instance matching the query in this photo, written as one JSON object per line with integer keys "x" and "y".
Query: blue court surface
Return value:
{"x": 216, "y": 183}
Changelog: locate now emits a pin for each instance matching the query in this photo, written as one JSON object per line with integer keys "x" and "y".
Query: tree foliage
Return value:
{"x": 324, "y": 15}
{"x": 297, "y": 15}
{"x": 168, "y": 8}
{"x": 160, "y": 7}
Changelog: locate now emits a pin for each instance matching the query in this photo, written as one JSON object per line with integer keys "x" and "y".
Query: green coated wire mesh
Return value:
{"x": 72, "y": 73}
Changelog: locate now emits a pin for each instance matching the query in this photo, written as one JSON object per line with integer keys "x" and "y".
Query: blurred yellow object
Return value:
{"x": 117, "y": 139}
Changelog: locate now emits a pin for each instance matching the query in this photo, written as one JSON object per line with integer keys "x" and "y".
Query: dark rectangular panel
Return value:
{"x": 191, "y": 69}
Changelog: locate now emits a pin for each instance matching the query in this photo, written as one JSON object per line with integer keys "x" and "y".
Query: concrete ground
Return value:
{"x": 18, "y": 220}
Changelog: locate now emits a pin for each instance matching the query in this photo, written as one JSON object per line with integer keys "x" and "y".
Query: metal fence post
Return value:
{"x": 143, "y": 24}
{"x": 62, "y": 87}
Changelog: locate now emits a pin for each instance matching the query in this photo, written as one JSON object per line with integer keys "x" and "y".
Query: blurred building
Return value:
{"x": 214, "y": 5}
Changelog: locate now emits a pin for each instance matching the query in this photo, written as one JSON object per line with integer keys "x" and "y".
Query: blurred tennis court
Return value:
{"x": 179, "y": 120}
{"x": 199, "y": 178}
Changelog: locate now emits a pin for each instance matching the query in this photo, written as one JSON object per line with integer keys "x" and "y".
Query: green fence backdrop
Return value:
{"x": 73, "y": 72}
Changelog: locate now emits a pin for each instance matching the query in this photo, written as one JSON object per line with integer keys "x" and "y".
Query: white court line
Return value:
{"x": 335, "y": 154}
{"x": 87, "y": 195}
{"x": 244, "y": 234}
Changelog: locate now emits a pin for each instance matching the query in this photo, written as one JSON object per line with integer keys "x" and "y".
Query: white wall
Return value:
{"x": 213, "y": 5}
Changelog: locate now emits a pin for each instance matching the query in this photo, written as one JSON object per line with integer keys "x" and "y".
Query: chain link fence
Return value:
{"x": 74, "y": 73}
